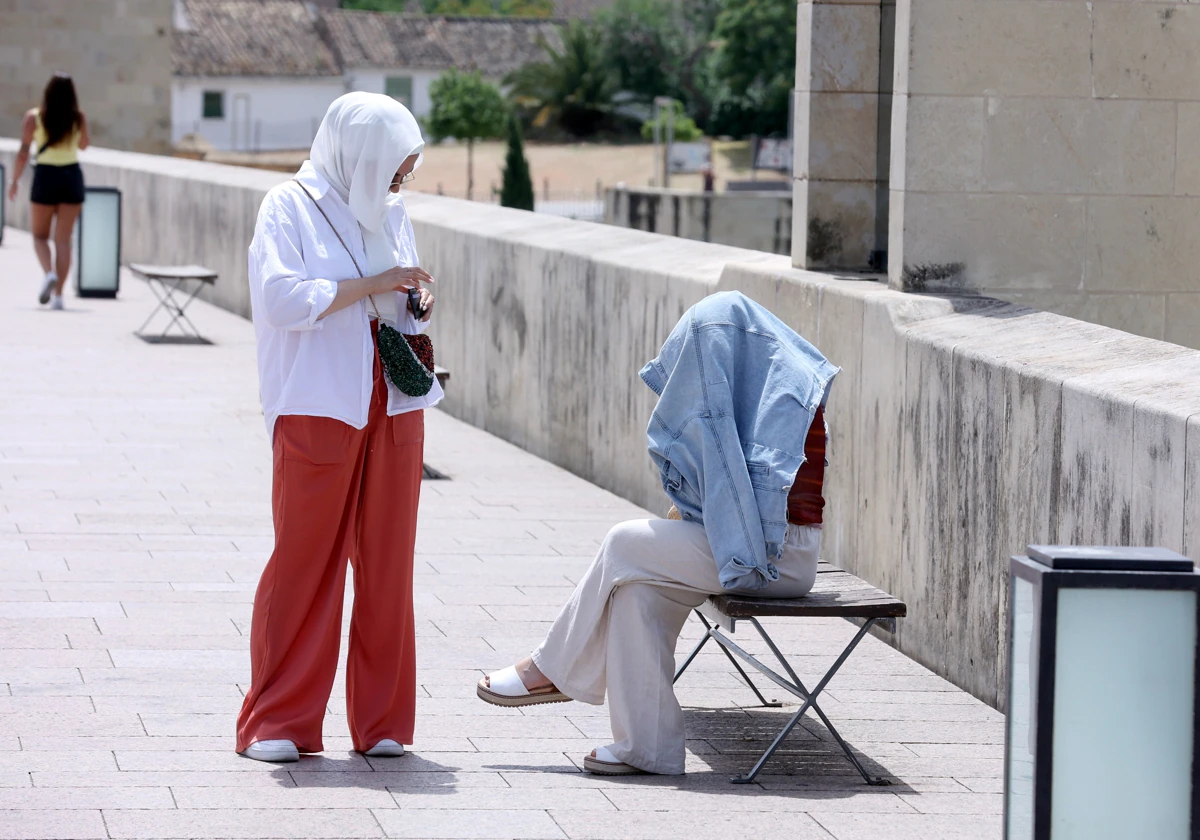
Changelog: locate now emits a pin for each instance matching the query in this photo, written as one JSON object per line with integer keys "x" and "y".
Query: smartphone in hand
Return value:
{"x": 414, "y": 304}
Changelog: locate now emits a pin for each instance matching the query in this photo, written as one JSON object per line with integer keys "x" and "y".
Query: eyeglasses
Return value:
{"x": 404, "y": 179}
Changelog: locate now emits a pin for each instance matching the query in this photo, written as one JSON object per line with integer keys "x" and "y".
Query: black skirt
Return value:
{"x": 57, "y": 184}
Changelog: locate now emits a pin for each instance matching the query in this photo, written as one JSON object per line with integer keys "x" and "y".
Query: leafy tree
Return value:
{"x": 659, "y": 49}
{"x": 517, "y": 187}
{"x": 754, "y": 65}
{"x": 527, "y": 8}
{"x": 573, "y": 88}
{"x": 376, "y": 5}
{"x": 467, "y": 108}
{"x": 643, "y": 45}
{"x": 700, "y": 16}
{"x": 461, "y": 8}
{"x": 685, "y": 128}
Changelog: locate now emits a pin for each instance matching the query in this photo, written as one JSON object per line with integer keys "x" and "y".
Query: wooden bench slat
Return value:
{"x": 837, "y": 593}
{"x": 814, "y": 608}
{"x": 846, "y": 588}
{"x": 175, "y": 272}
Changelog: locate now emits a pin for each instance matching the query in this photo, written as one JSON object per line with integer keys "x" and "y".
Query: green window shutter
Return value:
{"x": 400, "y": 88}
{"x": 214, "y": 105}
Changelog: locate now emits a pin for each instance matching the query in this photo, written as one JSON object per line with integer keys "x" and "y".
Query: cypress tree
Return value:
{"x": 517, "y": 188}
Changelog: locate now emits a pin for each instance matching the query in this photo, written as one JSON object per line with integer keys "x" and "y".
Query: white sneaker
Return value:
{"x": 56, "y": 302}
{"x": 272, "y": 751}
{"x": 48, "y": 288}
{"x": 387, "y": 748}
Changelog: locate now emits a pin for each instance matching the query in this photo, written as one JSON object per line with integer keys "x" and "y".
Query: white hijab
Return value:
{"x": 362, "y": 141}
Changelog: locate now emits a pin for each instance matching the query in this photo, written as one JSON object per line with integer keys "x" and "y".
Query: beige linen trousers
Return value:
{"x": 619, "y": 629}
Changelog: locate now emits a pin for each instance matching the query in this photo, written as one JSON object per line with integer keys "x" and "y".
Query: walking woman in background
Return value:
{"x": 332, "y": 252}
{"x": 59, "y": 130}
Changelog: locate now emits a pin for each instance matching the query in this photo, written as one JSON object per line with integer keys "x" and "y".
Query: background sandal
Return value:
{"x": 504, "y": 688}
{"x": 604, "y": 763}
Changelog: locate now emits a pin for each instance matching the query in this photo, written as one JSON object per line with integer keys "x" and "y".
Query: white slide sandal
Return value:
{"x": 504, "y": 688}
{"x": 604, "y": 763}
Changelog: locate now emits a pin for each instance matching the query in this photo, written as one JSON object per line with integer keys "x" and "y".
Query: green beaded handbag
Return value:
{"x": 407, "y": 359}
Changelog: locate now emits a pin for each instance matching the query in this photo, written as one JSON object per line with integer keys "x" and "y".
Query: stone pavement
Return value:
{"x": 134, "y": 521}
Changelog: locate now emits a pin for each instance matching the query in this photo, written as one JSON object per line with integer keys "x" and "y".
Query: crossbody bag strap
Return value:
{"x": 349, "y": 253}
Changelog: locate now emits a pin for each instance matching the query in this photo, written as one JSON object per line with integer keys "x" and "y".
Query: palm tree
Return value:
{"x": 574, "y": 87}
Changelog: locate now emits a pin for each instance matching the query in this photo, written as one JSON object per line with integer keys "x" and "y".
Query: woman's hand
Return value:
{"x": 399, "y": 279}
{"x": 12, "y": 191}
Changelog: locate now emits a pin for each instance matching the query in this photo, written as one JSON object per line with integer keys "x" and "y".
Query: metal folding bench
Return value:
{"x": 837, "y": 594}
{"x": 170, "y": 285}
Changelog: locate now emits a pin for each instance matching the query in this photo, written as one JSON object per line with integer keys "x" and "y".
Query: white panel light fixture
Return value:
{"x": 98, "y": 244}
{"x": 1103, "y": 719}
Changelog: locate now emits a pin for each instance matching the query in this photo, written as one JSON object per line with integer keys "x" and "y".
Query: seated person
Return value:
{"x": 739, "y": 438}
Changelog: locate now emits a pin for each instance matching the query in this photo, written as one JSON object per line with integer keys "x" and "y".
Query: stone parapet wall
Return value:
{"x": 962, "y": 428}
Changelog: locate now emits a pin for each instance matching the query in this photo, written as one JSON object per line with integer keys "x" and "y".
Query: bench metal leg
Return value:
{"x": 816, "y": 708}
{"x": 812, "y": 699}
{"x": 167, "y": 301}
{"x": 708, "y": 634}
{"x": 794, "y": 686}
{"x": 696, "y": 650}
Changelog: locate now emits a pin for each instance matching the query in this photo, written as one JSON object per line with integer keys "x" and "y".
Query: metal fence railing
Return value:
{"x": 586, "y": 209}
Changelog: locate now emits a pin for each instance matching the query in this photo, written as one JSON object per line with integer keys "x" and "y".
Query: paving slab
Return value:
{"x": 135, "y": 520}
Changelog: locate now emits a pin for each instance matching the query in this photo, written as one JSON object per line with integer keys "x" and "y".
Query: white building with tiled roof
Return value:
{"x": 250, "y": 75}
{"x": 259, "y": 74}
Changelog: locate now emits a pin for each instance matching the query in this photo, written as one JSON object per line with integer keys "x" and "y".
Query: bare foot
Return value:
{"x": 531, "y": 677}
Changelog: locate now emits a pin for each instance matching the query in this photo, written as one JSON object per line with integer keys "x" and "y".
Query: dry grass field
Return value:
{"x": 564, "y": 169}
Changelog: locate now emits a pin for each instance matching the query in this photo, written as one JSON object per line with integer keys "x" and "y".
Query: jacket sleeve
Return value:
{"x": 290, "y": 299}
{"x": 731, "y": 515}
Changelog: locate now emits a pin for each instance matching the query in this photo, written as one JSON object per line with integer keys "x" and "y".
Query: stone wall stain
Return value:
{"x": 929, "y": 277}
{"x": 824, "y": 239}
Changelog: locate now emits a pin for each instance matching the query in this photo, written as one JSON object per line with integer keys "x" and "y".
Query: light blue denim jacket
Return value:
{"x": 737, "y": 389}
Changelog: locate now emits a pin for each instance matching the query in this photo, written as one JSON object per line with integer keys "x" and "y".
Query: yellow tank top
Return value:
{"x": 64, "y": 153}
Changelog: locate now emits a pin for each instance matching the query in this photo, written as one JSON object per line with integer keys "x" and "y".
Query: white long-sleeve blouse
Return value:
{"x": 321, "y": 367}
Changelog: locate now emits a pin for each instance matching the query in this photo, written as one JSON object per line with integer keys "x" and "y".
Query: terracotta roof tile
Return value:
{"x": 378, "y": 39}
{"x": 285, "y": 38}
{"x": 258, "y": 38}
{"x": 497, "y": 46}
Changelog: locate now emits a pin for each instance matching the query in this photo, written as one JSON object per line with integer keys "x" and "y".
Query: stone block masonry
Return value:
{"x": 1044, "y": 151}
{"x": 841, "y": 156}
{"x": 117, "y": 51}
{"x": 963, "y": 428}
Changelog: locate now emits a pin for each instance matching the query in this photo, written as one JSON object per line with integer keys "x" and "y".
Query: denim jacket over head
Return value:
{"x": 737, "y": 389}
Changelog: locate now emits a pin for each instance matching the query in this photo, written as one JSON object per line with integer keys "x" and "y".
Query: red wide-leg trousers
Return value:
{"x": 339, "y": 494}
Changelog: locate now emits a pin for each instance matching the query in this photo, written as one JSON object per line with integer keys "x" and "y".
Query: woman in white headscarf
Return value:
{"x": 333, "y": 253}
